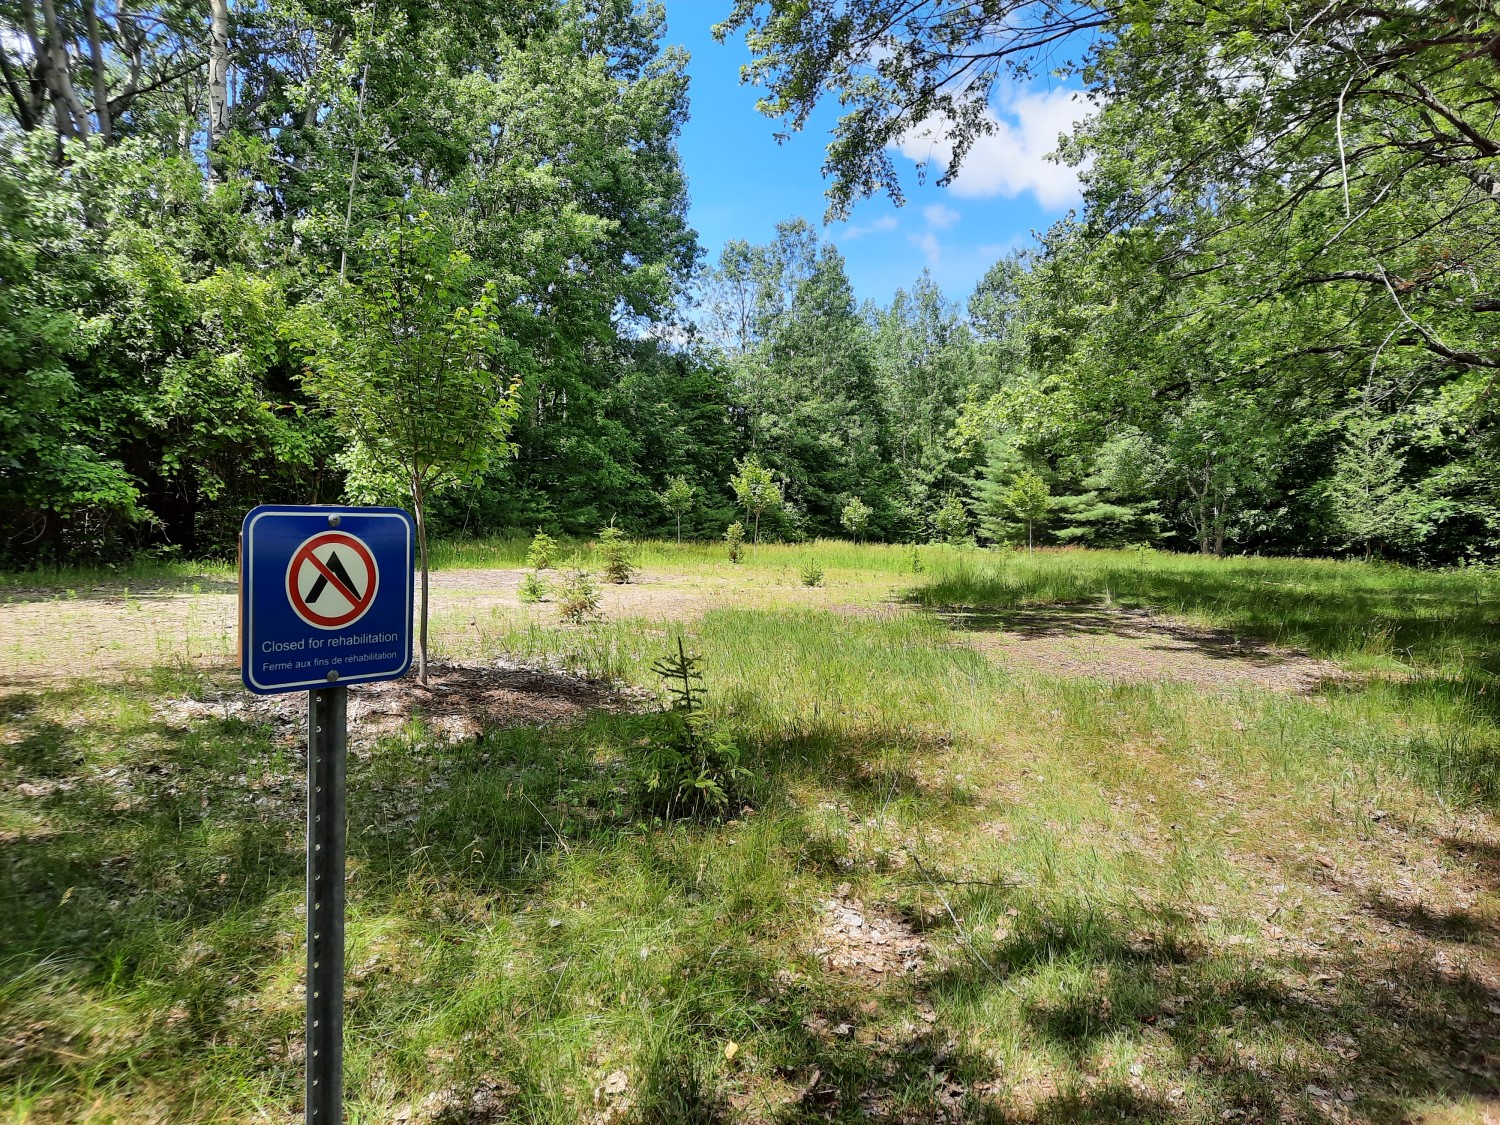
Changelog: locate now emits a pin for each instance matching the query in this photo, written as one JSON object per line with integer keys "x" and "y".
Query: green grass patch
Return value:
{"x": 1371, "y": 615}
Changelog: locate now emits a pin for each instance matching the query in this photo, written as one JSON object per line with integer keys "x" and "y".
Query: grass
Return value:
{"x": 1371, "y": 616}
{"x": 1131, "y": 902}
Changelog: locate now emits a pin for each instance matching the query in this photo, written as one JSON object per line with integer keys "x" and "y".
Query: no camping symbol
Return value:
{"x": 331, "y": 580}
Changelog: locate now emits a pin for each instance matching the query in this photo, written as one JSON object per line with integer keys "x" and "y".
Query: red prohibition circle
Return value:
{"x": 361, "y": 603}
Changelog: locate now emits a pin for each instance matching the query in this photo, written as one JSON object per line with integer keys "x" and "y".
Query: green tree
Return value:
{"x": 1029, "y": 500}
{"x": 407, "y": 355}
{"x": 677, "y": 498}
{"x": 614, "y": 555}
{"x": 926, "y": 363}
{"x": 1003, "y": 462}
{"x": 1373, "y": 506}
{"x": 542, "y": 552}
{"x": 856, "y": 517}
{"x": 52, "y": 469}
{"x": 756, "y": 489}
{"x": 1223, "y": 462}
{"x": 734, "y": 540}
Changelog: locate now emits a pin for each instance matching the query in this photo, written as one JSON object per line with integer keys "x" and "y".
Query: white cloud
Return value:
{"x": 940, "y": 216}
{"x": 1014, "y": 157}
{"x": 931, "y": 249}
{"x": 884, "y": 223}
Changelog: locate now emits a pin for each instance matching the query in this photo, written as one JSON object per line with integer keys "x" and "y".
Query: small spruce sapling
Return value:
{"x": 812, "y": 574}
{"x": 578, "y": 596}
{"x": 542, "y": 553}
{"x": 734, "y": 539}
{"x": 533, "y": 588}
{"x": 690, "y": 768}
{"x": 614, "y": 555}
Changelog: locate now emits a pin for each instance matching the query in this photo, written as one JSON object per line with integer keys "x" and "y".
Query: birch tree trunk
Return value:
{"x": 218, "y": 72}
{"x": 96, "y": 64}
{"x": 51, "y": 52}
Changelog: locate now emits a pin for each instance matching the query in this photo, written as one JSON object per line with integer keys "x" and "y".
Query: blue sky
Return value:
{"x": 742, "y": 182}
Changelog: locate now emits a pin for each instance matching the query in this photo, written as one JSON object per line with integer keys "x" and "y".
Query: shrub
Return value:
{"x": 687, "y": 766}
{"x": 916, "y": 559}
{"x": 542, "y": 553}
{"x": 614, "y": 555}
{"x": 578, "y": 597}
{"x": 812, "y": 575}
{"x": 533, "y": 588}
{"x": 734, "y": 538}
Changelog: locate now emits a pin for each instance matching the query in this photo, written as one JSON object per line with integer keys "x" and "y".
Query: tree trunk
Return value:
{"x": 25, "y": 103}
{"x": 218, "y": 72}
{"x": 96, "y": 63}
{"x": 755, "y": 538}
{"x": 359, "y": 126}
{"x": 419, "y": 511}
{"x": 679, "y": 529}
{"x": 1030, "y": 542}
{"x": 52, "y": 58}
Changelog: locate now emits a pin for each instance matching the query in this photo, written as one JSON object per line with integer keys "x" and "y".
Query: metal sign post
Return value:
{"x": 325, "y": 601}
{"x": 327, "y": 742}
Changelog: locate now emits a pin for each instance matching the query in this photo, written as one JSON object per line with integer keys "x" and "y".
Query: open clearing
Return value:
{"x": 47, "y": 635}
{"x": 1079, "y": 837}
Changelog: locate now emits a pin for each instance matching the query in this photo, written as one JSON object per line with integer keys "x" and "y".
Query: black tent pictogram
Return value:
{"x": 332, "y": 567}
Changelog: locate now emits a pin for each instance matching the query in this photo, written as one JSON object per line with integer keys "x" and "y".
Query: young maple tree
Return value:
{"x": 408, "y": 353}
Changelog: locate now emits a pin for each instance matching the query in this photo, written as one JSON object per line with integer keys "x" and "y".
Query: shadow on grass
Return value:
{"x": 1143, "y": 633}
{"x": 1428, "y": 617}
{"x": 134, "y": 869}
{"x": 1306, "y": 1035}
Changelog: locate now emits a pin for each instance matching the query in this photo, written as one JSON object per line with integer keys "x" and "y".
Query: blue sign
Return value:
{"x": 325, "y": 596}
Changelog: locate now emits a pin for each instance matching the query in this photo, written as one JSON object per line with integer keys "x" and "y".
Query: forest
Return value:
{"x": 305, "y": 252}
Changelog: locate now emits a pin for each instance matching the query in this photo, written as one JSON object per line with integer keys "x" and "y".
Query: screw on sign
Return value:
{"x": 332, "y": 579}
